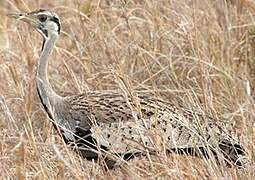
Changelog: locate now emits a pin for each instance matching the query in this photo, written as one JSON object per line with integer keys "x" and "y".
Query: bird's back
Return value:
{"x": 123, "y": 124}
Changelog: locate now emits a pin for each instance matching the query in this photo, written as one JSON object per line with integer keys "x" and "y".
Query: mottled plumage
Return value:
{"x": 121, "y": 126}
{"x": 113, "y": 124}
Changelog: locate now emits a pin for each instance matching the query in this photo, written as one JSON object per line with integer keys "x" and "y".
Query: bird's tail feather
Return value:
{"x": 232, "y": 153}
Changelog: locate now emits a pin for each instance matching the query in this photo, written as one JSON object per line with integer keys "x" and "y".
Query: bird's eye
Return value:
{"x": 42, "y": 18}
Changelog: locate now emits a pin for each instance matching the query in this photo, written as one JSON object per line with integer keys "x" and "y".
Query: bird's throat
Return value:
{"x": 47, "y": 95}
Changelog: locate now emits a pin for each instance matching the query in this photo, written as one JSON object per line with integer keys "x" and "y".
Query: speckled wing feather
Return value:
{"x": 119, "y": 125}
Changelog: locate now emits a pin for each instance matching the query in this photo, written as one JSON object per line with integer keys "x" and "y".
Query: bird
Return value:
{"x": 118, "y": 126}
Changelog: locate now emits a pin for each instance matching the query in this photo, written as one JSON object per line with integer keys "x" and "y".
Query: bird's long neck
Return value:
{"x": 48, "y": 96}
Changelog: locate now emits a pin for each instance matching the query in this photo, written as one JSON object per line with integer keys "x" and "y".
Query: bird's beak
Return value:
{"x": 24, "y": 17}
{"x": 16, "y": 15}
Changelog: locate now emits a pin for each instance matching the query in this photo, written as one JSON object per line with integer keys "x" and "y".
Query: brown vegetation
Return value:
{"x": 199, "y": 53}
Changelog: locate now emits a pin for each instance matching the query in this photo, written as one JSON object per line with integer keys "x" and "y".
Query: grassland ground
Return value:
{"x": 198, "y": 53}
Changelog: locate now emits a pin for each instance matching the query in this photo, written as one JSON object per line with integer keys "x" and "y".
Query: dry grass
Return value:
{"x": 200, "y": 52}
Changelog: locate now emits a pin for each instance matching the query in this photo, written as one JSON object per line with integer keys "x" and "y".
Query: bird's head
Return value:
{"x": 44, "y": 21}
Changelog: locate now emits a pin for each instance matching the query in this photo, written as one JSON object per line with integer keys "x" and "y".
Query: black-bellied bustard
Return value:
{"x": 104, "y": 121}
